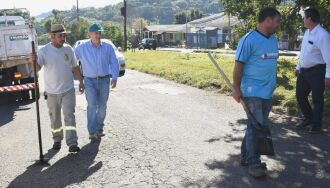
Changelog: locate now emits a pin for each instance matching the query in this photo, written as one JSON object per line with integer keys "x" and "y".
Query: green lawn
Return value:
{"x": 198, "y": 71}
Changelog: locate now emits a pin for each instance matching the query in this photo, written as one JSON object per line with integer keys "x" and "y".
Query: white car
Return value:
{"x": 120, "y": 56}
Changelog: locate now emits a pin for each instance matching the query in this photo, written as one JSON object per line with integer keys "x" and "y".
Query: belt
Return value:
{"x": 101, "y": 77}
{"x": 313, "y": 68}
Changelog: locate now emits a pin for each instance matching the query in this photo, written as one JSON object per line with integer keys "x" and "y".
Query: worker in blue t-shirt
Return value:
{"x": 255, "y": 75}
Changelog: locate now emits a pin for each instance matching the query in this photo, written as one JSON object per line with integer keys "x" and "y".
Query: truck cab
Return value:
{"x": 16, "y": 68}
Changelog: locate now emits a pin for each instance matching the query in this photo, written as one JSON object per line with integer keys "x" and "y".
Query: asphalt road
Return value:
{"x": 158, "y": 134}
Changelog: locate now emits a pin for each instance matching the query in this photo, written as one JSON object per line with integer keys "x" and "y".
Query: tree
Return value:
{"x": 322, "y": 5}
{"x": 48, "y": 24}
{"x": 58, "y": 17}
{"x": 182, "y": 17}
{"x": 291, "y": 25}
{"x": 78, "y": 31}
{"x": 195, "y": 14}
{"x": 138, "y": 22}
{"x": 114, "y": 33}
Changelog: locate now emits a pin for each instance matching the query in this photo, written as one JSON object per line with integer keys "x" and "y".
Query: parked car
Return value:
{"x": 120, "y": 56}
{"x": 148, "y": 43}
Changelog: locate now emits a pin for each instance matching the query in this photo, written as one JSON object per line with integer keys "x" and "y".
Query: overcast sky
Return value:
{"x": 37, "y": 7}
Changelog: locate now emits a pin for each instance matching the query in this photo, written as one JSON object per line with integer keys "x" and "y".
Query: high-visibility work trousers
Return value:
{"x": 67, "y": 102}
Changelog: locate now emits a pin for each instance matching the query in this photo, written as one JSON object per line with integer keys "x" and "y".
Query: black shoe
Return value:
{"x": 304, "y": 124}
{"x": 263, "y": 165}
{"x": 315, "y": 130}
{"x": 57, "y": 146}
{"x": 74, "y": 149}
{"x": 93, "y": 137}
{"x": 257, "y": 172}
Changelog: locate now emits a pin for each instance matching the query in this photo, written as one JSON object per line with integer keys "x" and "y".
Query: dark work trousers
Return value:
{"x": 311, "y": 80}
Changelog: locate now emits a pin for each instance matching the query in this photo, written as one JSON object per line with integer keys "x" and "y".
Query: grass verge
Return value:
{"x": 196, "y": 70}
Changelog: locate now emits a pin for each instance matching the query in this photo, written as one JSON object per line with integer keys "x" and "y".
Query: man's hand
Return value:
{"x": 81, "y": 87}
{"x": 34, "y": 57}
{"x": 237, "y": 94}
{"x": 327, "y": 82}
{"x": 113, "y": 84}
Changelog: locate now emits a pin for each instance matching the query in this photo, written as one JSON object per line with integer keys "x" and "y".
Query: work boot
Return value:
{"x": 74, "y": 149}
{"x": 57, "y": 146}
{"x": 93, "y": 137}
{"x": 257, "y": 172}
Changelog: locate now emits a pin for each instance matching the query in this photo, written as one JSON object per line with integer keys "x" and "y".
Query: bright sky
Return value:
{"x": 37, "y": 7}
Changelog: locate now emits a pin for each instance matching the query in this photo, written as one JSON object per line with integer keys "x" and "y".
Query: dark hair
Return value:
{"x": 313, "y": 14}
{"x": 268, "y": 12}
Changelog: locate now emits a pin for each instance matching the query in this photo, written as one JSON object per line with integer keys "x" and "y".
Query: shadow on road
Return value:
{"x": 8, "y": 107}
{"x": 302, "y": 160}
{"x": 74, "y": 168}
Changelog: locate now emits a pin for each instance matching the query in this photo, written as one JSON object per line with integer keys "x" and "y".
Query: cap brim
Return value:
{"x": 96, "y": 31}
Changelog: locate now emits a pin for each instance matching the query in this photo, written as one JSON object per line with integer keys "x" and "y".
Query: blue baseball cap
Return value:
{"x": 95, "y": 27}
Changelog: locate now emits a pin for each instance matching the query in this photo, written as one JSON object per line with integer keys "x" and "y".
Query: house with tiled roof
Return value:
{"x": 208, "y": 32}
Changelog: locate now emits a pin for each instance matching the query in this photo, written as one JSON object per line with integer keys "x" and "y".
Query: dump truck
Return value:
{"x": 16, "y": 65}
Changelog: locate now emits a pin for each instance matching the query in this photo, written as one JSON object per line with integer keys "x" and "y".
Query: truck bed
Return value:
{"x": 15, "y": 45}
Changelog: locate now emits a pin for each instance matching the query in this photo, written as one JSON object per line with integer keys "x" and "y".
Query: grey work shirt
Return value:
{"x": 57, "y": 64}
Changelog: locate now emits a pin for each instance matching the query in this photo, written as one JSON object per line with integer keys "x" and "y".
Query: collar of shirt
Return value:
{"x": 92, "y": 45}
{"x": 314, "y": 30}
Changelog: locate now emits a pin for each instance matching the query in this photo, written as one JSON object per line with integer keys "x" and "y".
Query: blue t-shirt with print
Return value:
{"x": 259, "y": 54}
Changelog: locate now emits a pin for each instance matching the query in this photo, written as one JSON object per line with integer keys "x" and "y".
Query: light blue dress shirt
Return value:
{"x": 98, "y": 61}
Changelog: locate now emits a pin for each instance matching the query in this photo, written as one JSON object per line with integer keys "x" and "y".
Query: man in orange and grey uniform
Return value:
{"x": 59, "y": 62}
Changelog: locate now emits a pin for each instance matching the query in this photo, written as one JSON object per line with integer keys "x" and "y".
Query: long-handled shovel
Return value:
{"x": 42, "y": 160}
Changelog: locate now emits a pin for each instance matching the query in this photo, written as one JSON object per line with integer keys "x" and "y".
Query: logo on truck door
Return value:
{"x": 18, "y": 37}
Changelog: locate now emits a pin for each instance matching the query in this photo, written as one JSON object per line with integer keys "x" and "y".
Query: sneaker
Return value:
{"x": 92, "y": 137}
{"x": 257, "y": 172}
{"x": 74, "y": 149}
{"x": 315, "y": 130}
{"x": 100, "y": 133}
{"x": 304, "y": 124}
{"x": 263, "y": 165}
{"x": 57, "y": 146}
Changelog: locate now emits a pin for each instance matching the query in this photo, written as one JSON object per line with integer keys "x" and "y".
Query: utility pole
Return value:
{"x": 123, "y": 11}
{"x": 141, "y": 28}
{"x": 78, "y": 11}
{"x": 186, "y": 35}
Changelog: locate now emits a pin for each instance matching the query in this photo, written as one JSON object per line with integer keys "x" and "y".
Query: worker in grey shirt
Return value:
{"x": 59, "y": 63}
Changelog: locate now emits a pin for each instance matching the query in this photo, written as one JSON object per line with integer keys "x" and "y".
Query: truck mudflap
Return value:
{"x": 15, "y": 88}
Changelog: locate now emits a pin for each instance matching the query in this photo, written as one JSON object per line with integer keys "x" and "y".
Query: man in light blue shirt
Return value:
{"x": 99, "y": 63}
{"x": 255, "y": 75}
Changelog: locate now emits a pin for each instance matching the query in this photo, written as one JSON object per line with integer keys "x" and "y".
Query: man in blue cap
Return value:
{"x": 99, "y": 63}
